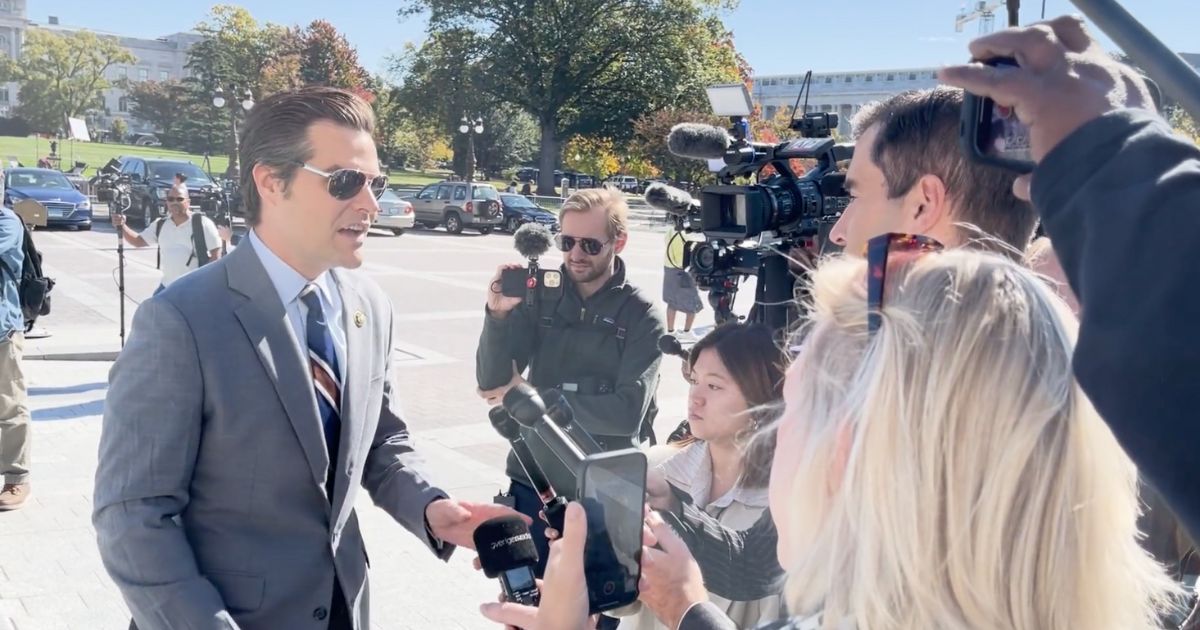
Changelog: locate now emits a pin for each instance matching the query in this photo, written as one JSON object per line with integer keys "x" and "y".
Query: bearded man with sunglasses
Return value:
{"x": 186, "y": 240}
{"x": 255, "y": 396}
{"x": 598, "y": 344}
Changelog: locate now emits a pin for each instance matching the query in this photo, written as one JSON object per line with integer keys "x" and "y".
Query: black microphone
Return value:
{"x": 526, "y": 407}
{"x": 506, "y": 550}
{"x": 670, "y": 199}
{"x": 701, "y": 142}
{"x": 560, "y": 411}
{"x": 553, "y": 505}
{"x": 668, "y": 344}
{"x": 532, "y": 240}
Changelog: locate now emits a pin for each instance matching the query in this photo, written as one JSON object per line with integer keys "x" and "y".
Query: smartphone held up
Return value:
{"x": 992, "y": 134}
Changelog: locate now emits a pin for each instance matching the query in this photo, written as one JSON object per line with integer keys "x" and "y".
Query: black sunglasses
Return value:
{"x": 881, "y": 251}
{"x": 590, "y": 246}
{"x": 345, "y": 183}
{"x": 176, "y": 198}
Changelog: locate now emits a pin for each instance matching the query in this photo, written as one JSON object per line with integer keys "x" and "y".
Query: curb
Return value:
{"x": 109, "y": 356}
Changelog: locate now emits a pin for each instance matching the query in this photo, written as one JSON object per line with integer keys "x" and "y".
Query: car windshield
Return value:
{"x": 37, "y": 179}
{"x": 167, "y": 170}
{"x": 389, "y": 195}
{"x": 518, "y": 201}
{"x": 484, "y": 192}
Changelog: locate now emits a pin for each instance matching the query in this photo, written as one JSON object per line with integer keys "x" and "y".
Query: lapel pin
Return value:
{"x": 360, "y": 319}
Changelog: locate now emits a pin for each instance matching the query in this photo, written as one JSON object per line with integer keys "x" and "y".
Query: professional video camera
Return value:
{"x": 751, "y": 227}
{"x": 533, "y": 283}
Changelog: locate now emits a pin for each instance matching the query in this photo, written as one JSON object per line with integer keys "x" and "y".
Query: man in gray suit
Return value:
{"x": 256, "y": 394}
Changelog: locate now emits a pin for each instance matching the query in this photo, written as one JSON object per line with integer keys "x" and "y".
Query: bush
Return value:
{"x": 14, "y": 127}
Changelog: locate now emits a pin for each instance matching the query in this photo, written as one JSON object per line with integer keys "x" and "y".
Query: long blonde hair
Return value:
{"x": 953, "y": 474}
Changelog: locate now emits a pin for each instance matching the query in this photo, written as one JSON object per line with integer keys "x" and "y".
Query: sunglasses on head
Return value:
{"x": 590, "y": 246}
{"x": 177, "y": 199}
{"x": 345, "y": 183}
{"x": 882, "y": 251}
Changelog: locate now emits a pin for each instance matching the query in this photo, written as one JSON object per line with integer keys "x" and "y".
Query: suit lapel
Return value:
{"x": 359, "y": 343}
{"x": 265, "y": 321}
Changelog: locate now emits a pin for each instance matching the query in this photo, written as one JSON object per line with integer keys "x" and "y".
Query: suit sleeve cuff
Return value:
{"x": 441, "y": 548}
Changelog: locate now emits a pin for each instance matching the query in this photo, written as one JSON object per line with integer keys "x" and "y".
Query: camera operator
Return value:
{"x": 186, "y": 240}
{"x": 597, "y": 343}
{"x": 908, "y": 175}
{"x": 1111, "y": 177}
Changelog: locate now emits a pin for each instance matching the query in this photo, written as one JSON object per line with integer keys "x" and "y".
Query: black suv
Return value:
{"x": 151, "y": 178}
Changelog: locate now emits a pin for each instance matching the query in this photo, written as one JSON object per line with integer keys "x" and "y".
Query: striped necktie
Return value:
{"x": 322, "y": 359}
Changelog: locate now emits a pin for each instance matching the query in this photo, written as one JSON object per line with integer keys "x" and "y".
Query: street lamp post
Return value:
{"x": 246, "y": 102}
{"x": 470, "y": 129}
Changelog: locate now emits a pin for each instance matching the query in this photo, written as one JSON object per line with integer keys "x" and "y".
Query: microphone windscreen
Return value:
{"x": 504, "y": 424}
{"x": 702, "y": 142}
{"x": 668, "y": 344}
{"x": 669, "y": 199}
{"x": 504, "y": 543}
{"x": 524, "y": 404}
{"x": 532, "y": 240}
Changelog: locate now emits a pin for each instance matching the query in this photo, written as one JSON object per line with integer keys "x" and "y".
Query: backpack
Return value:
{"x": 33, "y": 287}
{"x": 199, "y": 252}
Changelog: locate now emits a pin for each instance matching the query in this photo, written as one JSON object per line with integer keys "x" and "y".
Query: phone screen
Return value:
{"x": 519, "y": 579}
{"x": 612, "y": 491}
{"x": 1008, "y": 137}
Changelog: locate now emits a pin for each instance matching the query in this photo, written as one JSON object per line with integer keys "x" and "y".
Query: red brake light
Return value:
{"x": 408, "y": 208}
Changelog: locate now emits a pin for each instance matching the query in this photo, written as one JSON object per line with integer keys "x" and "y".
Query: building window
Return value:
{"x": 829, "y": 79}
{"x": 770, "y": 112}
{"x": 870, "y": 78}
{"x": 912, "y": 76}
{"x": 791, "y": 80}
{"x": 891, "y": 77}
{"x": 849, "y": 78}
{"x": 3, "y": 95}
{"x": 123, "y": 104}
{"x": 163, "y": 75}
{"x": 143, "y": 74}
{"x": 122, "y": 72}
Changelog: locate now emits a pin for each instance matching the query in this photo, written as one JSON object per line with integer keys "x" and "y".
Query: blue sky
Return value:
{"x": 821, "y": 36}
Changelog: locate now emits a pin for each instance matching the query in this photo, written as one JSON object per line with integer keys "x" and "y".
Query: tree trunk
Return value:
{"x": 549, "y": 156}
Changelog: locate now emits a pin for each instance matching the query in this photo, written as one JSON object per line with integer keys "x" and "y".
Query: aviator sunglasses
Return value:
{"x": 344, "y": 183}
{"x": 590, "y": 246}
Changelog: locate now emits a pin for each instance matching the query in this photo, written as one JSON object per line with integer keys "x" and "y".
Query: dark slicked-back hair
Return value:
{"x": 276, "y": 134}
{"x": 918, "y": 135}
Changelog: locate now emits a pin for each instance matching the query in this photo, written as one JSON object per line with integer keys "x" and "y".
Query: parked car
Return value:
{"x": 624, "y": 183}
{"x": 395, "y": 214}
{"x": 65, "y": 206}
{"x": 151, "y": 178}
{"x": 527, "y": 174}
{"x": 146, "y": 140}
{"x": 451, "y": 205}
{"x": 519, "y": 210}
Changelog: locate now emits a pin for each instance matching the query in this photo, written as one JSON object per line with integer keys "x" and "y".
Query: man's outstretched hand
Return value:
{"x": 454, "y": 521}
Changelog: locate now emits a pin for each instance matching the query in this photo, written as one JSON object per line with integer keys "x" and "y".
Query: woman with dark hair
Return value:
{"x": 736, "y": 372}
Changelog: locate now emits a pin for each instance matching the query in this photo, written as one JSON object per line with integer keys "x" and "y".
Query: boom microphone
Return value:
{"x": 701, "y": 142}
{"x": 526, "y": 407}
{"x": 670, "y": 199}
{"x": 532, "y": 240}
{"x": 553, "y": 504}
{"x": 668, "y": 344}
{"x": 506, "y": 550}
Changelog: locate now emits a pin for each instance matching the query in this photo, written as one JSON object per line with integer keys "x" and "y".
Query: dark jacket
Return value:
{"x": 580, "y": 348}
{"x": 1120, "y": 200}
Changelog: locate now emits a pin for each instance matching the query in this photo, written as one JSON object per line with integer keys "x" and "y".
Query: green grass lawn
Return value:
{"x": 28, "y": 150}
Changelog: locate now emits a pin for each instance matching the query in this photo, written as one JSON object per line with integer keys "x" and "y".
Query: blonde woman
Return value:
{"x": 936, "y": 466}
{"x": 945, "y": 470}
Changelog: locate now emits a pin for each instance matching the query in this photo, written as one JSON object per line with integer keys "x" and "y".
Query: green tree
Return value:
{"x": 510, "y": 138}
{"x": 1183, "y": 123}
{"x": 61, "y": 74}
{"x": 162, "y": 104}
{"x": 591, "y": 156}
{"x": 650, "y": 142}
{"x": 587, "y": 67}
{"x": 327, "y": 58}
{"x": 119, "y": 129}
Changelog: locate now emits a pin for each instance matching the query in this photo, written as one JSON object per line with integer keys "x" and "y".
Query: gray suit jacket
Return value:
{"x": 210, "y": 505}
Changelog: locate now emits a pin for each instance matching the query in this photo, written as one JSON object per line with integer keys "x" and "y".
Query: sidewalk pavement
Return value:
{"x": 51, "y": 576}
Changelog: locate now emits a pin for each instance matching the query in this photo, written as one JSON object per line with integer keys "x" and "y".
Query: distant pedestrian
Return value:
{"x": 679, "y": 288}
